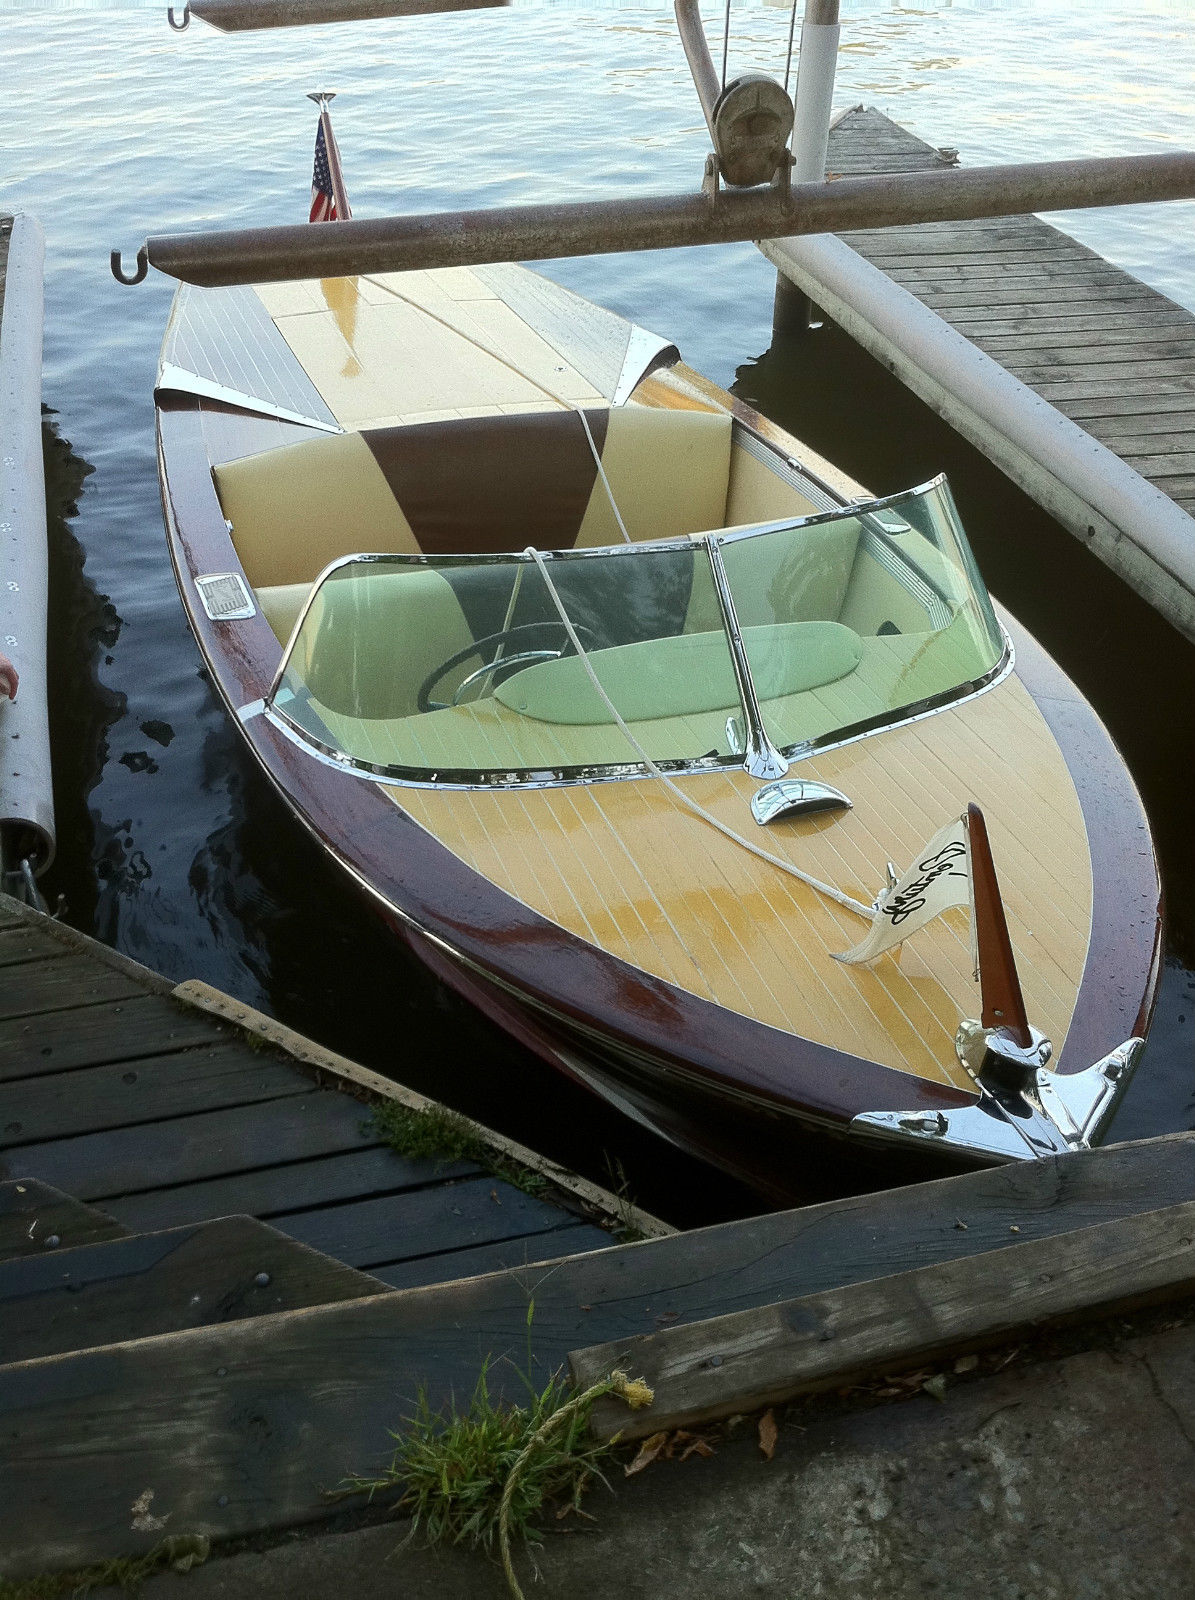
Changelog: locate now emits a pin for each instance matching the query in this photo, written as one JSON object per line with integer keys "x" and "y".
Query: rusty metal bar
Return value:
{"x": 234, "y": 16}
{"x": 697, "y": 51}
{"x": 661, "y": 222}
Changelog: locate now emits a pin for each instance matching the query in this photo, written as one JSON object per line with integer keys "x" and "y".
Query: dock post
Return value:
{"x": 792, "y": 311}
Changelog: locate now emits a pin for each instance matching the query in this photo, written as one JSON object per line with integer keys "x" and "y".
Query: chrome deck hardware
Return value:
{"x": 795, "y": 797}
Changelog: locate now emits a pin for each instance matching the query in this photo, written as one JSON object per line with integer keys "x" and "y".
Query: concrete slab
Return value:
{"x": 1068, "y": 1479}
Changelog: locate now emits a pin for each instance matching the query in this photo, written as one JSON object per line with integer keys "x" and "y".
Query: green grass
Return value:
{"x": 180, "y": 1551}
{"x": 450, "y": 1470}
{"x": 442, "y": 1136}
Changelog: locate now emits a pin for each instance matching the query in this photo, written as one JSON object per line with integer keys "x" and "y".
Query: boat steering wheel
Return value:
{"x": 423, "y": 699}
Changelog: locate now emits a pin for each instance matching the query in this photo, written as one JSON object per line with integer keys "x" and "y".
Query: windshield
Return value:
{"x": 900, "y": 580}
{"x": 460, "y": 669}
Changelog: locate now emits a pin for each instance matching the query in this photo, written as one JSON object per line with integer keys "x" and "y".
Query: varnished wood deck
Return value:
{"x": 1106, "y": 350}
{"x": 161, "y": 1115}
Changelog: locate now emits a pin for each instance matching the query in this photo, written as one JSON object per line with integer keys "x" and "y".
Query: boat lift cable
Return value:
{"x": 674, "y": 788}
{"x": 521, "y": 372}
{"x": 725, "y": 44}
{"x": 788, "y": 60}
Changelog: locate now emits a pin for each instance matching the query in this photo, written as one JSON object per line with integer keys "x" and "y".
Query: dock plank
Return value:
{"x": 33, "y": 1213}
{"x": 273, "y": 1192}
{"x": 380, "y": 1231}
{"x": 20, "y": 944}
{"x": 115, "y": 1030}
{"x": 134, "y": 1288}
{"x": 56, "y": 983}
{"x": 762, "y": 1357}
{"x": 92, "y": 1099}
{"x": 96, "y": 1166}
{"x": 514, "y": 1254}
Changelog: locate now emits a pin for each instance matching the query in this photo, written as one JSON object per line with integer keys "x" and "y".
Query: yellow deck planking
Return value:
{"x": 626, "y": 867}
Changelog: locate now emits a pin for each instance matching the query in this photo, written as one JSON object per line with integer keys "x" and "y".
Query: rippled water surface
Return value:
{"x": 171, "y": 847}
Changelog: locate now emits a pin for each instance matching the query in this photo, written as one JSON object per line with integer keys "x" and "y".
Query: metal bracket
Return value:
{"x": 179, "y": 27}
{"x": 1059, "y": 1113}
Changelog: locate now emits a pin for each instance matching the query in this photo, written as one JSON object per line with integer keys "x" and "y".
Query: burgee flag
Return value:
{"x": 939, "y": 878}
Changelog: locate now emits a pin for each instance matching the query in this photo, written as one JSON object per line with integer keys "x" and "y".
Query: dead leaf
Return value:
{"x": 697, "y": 1447}
{"x": 648, "y": 1451}
{"x": 966, "y": 1364}
{"x": 936, "y": 1386}
{"x": 769, "y": 1433}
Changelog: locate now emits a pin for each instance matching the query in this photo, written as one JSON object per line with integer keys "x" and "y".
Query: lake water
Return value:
{"x": 171, "y": 847}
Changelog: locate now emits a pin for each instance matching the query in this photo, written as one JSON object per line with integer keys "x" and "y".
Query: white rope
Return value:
{"x": 520, "y": 372}
{"x": 826, "y": 889}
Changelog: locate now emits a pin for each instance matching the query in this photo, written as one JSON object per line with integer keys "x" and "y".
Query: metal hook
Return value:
{"x": 179, "y": 27}
{"x": 118, "y": 272}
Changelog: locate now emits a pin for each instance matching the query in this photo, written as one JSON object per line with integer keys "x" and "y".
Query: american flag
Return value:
{"x": 329, "y": 203}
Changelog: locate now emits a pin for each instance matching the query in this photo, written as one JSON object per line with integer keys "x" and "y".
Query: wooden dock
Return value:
{"x": 163, "y": 1108}
{"x": 1105, "y": 352}
{"x": 218, "y": 1283}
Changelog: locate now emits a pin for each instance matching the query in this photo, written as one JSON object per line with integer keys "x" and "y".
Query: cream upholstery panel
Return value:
{"x": 280, "y": 606}
{"x": 294, "y": 510}
{"x": 668, "y": 471}
{"x": 756, "y": 494}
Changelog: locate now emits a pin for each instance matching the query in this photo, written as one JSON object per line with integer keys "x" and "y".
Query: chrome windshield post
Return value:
{"x": 761, "y": 757}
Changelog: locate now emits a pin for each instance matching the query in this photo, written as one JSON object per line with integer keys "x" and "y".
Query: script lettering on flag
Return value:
{"x": 940, "y": 877}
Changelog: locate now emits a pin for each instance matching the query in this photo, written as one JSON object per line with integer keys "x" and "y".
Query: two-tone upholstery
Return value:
{"x": 472, "y": 484}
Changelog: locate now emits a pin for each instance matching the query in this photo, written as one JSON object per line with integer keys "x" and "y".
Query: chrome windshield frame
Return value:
{"x": 762, "y": 757}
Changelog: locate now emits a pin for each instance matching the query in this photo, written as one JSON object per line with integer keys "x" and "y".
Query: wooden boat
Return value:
{"x": 618, "y": 702}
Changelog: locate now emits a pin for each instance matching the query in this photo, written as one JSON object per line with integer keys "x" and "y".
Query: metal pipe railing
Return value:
{"x": 234, "y": 16}
{"x": 659, "y": 222}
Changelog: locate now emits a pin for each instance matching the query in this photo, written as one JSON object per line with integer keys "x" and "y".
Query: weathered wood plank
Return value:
{"x": 995, "y": 292}
{"x": 1063, "y": 391}
{"x": 1162, "y": 466}
{"x": 389, "y": 1228}
{"x": 760, "y": 1357}
{"x": 1145, "y": 404}
{"x": 1077, "y": 332}
{"x": 96, "y": 1166}
{"x": 118, "y": 1030}
{"x": 274, "y": 1410}
{"x": 31, "y": 1213}
{"x": 133, "y": 1288}
{"x": 1039, "y": 374}
{"x": 126, "y": 1093}
{"x": 1091, "y": 351}
{"x": 1145, "y": 427}
{"x": 509, "y": 1253}
{"x": 1028, "y": 274}
{"x": 20, "y": 944}
{"x": 56, "y": 982}
{"x": 298, "y": 1186}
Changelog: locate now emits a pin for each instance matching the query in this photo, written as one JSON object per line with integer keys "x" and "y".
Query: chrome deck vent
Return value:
{"x": 225, "y": 596}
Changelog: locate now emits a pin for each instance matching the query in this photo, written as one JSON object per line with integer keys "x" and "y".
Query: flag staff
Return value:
{"x": 329, "y": 199}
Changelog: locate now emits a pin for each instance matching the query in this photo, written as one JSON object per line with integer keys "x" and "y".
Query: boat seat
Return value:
{"x": 371, "y": 638}
{"x": 474, "y": 484}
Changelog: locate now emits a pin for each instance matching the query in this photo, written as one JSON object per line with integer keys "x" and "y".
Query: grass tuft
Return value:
{"x": 450, "y": 1470}
{"x": 436, "y": 1134}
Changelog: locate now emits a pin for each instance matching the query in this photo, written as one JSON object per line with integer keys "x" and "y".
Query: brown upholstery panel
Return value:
{"x": 484, "y": 484}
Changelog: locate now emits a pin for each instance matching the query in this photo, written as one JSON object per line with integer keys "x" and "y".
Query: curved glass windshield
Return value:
{"x": 905, "y": 597}
{"x": 461, "y": 669}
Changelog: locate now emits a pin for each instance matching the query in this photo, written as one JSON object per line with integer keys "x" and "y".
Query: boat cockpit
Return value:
{"x": 644, "y": 622}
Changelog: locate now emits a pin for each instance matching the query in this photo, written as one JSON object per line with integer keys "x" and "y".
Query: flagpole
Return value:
{"x": 322, "y": 97}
